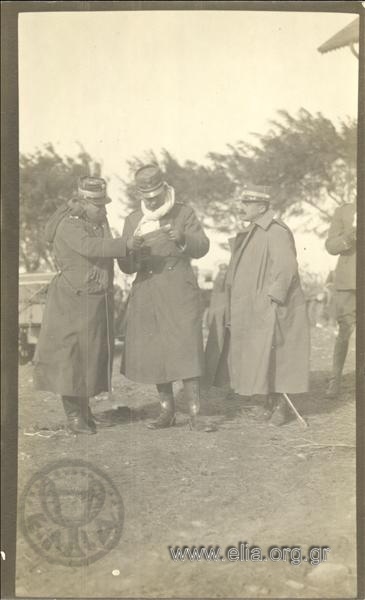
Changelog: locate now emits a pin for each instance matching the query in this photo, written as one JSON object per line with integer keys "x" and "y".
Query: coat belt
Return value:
{"x": 160, "y": 264}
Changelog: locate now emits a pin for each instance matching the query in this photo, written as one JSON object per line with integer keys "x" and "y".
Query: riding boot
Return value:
{"x": 280, "y": 413}
{"x": 192, "y": 396}
{"x": 264, "y": 408}
{"x": 167, "y": 414}
{"x": 93, "y": 420}
{"x": 87, "y": 415}
{"x": 339, "y": 357}
{"x": 75, "y": 422}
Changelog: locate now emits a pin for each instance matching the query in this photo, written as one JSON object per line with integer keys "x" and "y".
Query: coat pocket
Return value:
{"x": 263, "y": 311}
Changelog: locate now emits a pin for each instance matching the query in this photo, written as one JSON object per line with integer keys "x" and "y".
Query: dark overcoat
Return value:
{"x": 75, "y": 348}
{"x": 268, "y": 346}
{"x": 163, "y": 340}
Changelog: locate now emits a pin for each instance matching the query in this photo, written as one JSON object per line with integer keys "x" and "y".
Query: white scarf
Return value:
{"x": 151, "y": 218}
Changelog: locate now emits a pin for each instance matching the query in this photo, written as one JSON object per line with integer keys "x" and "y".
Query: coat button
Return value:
{"x": 150, "y": 272}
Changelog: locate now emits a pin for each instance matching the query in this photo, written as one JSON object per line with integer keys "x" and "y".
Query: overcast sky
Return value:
{"x": 191, "y": 82}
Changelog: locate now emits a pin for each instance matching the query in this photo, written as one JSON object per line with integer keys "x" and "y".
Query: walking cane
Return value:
{"x": 302, "y": 421}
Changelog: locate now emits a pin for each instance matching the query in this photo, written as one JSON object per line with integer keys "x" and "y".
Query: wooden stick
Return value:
{"x": 298, "y": 416}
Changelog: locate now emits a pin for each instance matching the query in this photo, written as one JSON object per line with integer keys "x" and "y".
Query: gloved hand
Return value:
{"x": 177, "y": 236}
{"x": 274, "y": 302}
{"x": 76, "y": 207}
{"x": 134, "y": 243}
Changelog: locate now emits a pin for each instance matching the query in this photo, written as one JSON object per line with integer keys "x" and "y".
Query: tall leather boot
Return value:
{"x": 192, "y": 395}
{"x": 265, "y": 406}
{"x": 339, "y": 357}
{"x": 280, "y": 414}
{"x": 73, "y": 408}
{"x": 167, "y": 414}
{"x": 87, "y": 415}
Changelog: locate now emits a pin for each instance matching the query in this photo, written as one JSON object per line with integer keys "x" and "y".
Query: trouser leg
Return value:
{"x": 167, "y": 404}
{"x": 341, "y": 348}
{"x": 339, "y": 357}
{"x": 345, "y": 305}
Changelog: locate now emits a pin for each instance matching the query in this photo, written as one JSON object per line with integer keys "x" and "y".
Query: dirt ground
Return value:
{"x": 247, "y": 482}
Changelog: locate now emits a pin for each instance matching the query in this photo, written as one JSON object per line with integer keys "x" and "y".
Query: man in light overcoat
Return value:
{"x": 267, "y": 331}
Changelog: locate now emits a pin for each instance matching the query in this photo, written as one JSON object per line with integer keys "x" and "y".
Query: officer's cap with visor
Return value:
{"x": 93, "y": 190}
{"x": 149, "y": 181}
{"x": 253, "y": 193}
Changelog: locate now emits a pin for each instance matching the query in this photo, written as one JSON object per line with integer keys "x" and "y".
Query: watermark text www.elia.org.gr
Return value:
{"x": 294, "y": 555}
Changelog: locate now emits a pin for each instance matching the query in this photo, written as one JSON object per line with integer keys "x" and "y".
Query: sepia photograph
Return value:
{"x": 186, "y": 314}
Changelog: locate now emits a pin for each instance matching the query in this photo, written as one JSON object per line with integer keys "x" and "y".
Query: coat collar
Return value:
{"x": 265, "y": 220}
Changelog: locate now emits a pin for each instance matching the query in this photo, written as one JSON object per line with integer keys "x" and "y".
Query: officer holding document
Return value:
{"x": 163, "y": 340}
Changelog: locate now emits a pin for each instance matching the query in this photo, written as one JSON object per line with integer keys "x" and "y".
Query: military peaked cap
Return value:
{"x": 93, "y": 189}
{"x": 149, "y": 181}
{"x": 254, "y": 193}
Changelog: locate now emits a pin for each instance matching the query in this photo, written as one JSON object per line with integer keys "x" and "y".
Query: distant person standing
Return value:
{"x": 341, "y": 241}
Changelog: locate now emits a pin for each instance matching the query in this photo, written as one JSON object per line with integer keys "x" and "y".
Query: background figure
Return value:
{"x": 268, "y": 347}
{"x": 316, "y": 308}
{"x": 341, "y": 241}
{"x": 330, "y": 304}
{"x": 164, "y": 340}
{"x": 216, "y": 324}
{"x": 217, "y": 299}
{"x": 75, "y": 350}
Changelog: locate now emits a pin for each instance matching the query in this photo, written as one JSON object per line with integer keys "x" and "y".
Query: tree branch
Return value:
{"x": 334, "y": 198}
{"x": 321, "y": 210}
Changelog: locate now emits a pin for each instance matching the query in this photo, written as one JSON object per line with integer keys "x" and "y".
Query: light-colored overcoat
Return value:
{"x": 163, "y": 339}
{"x": 267, "y": 345}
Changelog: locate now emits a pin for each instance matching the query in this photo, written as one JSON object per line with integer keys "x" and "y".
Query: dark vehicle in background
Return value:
{"x": 33, "y": 289}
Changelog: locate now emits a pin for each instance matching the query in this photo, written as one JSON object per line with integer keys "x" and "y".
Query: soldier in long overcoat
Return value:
{"x": 267, "y": 332}
{"x": 163, "y": 340}
{"x": 75, "y": 349}
{"x": 341, "y": 241}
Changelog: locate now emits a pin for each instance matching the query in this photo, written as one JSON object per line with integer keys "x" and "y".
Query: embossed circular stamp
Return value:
{"x": 71, "y": 513}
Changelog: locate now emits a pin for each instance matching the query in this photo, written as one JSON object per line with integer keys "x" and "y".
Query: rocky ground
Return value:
{"x": 247, "y": 482}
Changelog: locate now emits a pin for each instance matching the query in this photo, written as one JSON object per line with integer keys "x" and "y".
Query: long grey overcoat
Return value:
{"x": 163, "y": 340}
{"x": 268, "y": 346}
{"x": 75, "y": 349}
